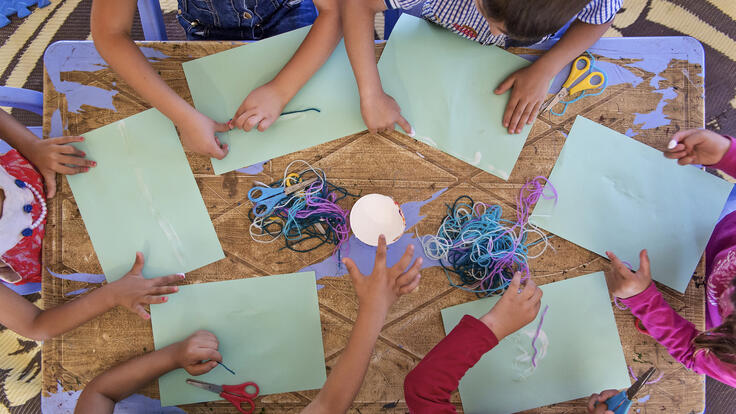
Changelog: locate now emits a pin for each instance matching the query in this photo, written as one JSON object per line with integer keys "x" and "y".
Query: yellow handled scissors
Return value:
{"x": 584, "y": 76}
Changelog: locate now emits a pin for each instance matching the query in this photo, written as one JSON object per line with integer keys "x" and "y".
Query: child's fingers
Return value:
{"x": 267, "y": 122}
{"x": 537, "y": 297}
{"x": 66, "y": 140}
{"x": 535, "y": 112}
{"x": 516, "y": 118}
{"x": 353, "y": 271}
{"x": 686, "y": 160}
{"x": 617, "y": 264}
{"x": 49, "y": 182}
{"x": 515, "y": 283}
{"x": 381, "y": 253}
{"x": 167, "y": 280}
{"x": 138, "y": 263}
{"x": 681, "y": 135}
{"x": 150, "y": 299}
{"x": 253, "y": 121}
{"x": 77, "y": 161}
{"x": 404, "y": 124}
{"x": 644, "y": 261}
{"x": 211, "y": 354}
{"x": 405, "y": 259}
{"x": 529, "y": 289}
{"x": 69, "y": 150}
{"x": 510, "y": 110}
{"x": 142, "y": 312}
{"x": 505, "y": 85}
{"x": 526, "y": 116}
{"x": 408, "y": 276}
{"x": 592, "y": 401}
{"x": 203, "y": 368}
{"x": 411, "y": 286}
{"x": 163, "y": 290}
{"x": 239, "y": 121}
{"x": 67, "y": 170}
{"x": 675, "y": 154}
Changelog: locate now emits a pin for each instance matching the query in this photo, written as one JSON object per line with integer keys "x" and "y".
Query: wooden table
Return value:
{"x": 81, "y": 94}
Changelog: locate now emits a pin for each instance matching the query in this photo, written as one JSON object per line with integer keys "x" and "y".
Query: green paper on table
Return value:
{"x": 268, "y": 329}
{"x": 219, "y": 83}
{"x": 444, "y": 85}
{"x": 617, "y": 194}
{"x": 579, "y": 351}
{"x": 142, "y": 196}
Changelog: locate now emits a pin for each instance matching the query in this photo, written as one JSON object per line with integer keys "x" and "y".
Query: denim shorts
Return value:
{"x": 244, "y": 19}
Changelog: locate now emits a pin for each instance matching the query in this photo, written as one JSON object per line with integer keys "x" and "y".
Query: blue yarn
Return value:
{"x": 483, "y": 251}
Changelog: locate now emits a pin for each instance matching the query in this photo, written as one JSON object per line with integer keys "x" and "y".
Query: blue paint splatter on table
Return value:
{"x": 80, "y": 277}
{"x": 364, "y": 255}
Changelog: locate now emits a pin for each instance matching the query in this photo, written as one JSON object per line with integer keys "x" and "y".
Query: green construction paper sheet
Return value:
{"x": 444, "y": 85}
{"x": 583, "y": 352}
{"x": 620, "y": 195}
{"x": 268, "y": 329}
{"x": 220, "y": 82}
{"x": 142, "y": 196}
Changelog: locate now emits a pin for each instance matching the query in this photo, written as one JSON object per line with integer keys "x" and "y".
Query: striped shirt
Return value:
{"x": 463, "y": 18}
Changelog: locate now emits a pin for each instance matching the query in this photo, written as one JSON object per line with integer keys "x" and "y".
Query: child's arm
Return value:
{"x": 263, "y": 106}
{"x": 428, "y": 386}
{"x": 380, "y": 111}
{"x": 531, "y": 83}
{"x": 110, "y": 22}
{"x": 700, "y": 146}
{"x": 636, "y": 290}
{"x": 131, "y": 291}
{"x": 49, "y": 156}
{"x": 100, "y": 395}
{"x": 376, "y": 293}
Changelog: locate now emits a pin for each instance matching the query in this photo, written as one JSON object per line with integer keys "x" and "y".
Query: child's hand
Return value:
{"x": 261, "y": 108}
{"x": 134, "y": 292}
{"x": 622, "y": 282}
{"x": 383, "y": 287}
{"x": 54, "y": 155}
{"x": 530, "y": 86}
{"x": 380, "y": 113}
{"x": 517, "y": 308}
{"x": 697, "y": 146}
{"x": 197, "y": 354}
{"x": 599, "y": 399}
{"x": 198, "y": 135}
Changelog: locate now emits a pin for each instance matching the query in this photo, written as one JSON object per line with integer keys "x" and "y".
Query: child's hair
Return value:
{"x": 531, "y": 19}
{"x": 721, "y": 340}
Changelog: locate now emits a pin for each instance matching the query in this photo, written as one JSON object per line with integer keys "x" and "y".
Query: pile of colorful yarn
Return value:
{"x": 481, "y": 249}
{"x": 308, "y": 218}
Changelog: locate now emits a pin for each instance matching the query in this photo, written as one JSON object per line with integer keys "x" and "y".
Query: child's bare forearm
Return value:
{"x": 27, "y": 320}
{"x": 578, "y": 38}
{"x": 111, "y": 21}
{"x": 16, "y": 135}
{"x": 346, "y": 378}
{"x": 314, "y": 51}
{"x": 357, "y": 18}
{"x": 114, "y": 385}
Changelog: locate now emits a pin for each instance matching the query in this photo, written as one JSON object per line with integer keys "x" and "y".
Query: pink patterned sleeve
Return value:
{"x": 728, "y": 163}
{"x": 676, "y": 334}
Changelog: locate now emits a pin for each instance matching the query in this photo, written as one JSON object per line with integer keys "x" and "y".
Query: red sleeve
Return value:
{"x": 428, "y": 386}
{"x": 727, "y": 164}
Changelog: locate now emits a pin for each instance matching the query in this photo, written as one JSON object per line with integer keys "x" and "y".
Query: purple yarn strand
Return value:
{"x": 536, "y": 335}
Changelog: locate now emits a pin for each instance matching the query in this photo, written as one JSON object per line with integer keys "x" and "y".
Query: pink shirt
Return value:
{"x": 675, "y": 332}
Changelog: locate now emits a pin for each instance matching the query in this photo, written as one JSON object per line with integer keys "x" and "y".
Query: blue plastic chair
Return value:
{"x": 152, "y": 20}
{"x": 22, "y": 99}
